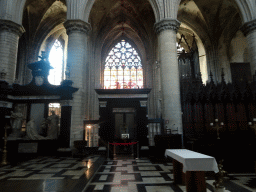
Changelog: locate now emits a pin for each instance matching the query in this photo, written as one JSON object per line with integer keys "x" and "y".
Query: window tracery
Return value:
{"x": 123, "y": 68}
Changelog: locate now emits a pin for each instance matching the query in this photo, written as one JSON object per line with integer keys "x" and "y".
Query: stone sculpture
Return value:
{"x": 53, "y": 127}
{"x": 16, "y": 122}
{"x": 32, "y": 131}
{"x": 44, "y": 127}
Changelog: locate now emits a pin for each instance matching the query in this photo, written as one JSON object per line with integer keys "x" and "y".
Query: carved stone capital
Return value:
{"x": 77, "y": 26}
{"x": 10, "y": 26}
{"x": 248, "y": 27}
{"x": 167, "y": 24}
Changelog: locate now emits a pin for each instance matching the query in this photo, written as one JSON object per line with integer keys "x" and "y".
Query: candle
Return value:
{"x": 211, "y": 124}
{"x": 216, "y": 120}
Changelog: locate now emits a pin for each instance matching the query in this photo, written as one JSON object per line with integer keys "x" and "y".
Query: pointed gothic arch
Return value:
{"x": 154, "y": 4}
{"x": 15, "y": 9}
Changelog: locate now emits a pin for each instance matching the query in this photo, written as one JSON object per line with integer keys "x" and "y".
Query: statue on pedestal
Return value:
{"x": 53, "y": 127}
{"x": 16, "y": 123}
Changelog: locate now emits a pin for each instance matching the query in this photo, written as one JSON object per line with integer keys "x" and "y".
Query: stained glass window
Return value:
{"x": 123, "y": 68}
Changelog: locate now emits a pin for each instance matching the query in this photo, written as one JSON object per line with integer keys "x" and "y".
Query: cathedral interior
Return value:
{"x": 93, "y": 94}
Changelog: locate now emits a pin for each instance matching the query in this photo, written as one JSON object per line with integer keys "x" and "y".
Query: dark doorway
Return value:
{"x": 124, "y": 123}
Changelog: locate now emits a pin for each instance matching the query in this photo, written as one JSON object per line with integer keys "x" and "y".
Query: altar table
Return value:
{"x": 189, "y": 167}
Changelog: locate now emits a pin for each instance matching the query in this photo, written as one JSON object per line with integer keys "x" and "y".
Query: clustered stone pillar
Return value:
{"x": 77, "y": 31}
{"x": 10, "y": 33}
{"x": 166, "y": 30}
{"x": 249, "y": 30}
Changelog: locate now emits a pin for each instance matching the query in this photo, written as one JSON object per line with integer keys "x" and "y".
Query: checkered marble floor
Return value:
{"x": 49, "y": 174}
{"x": 95, "y": 173}
{"x": 47, "y": 168}
{"x": 130, "y": 175}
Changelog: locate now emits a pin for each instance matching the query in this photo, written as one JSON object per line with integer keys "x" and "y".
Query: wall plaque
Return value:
{"x": 27, "y": 147}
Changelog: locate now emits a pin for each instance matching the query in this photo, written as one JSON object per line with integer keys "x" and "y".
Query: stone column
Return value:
{"x": 249, "y": 30}
{"x": 166, "y": 30}
{"x": 77, "y": 31}
{"x": 10, "y": 33}
{"x": 96, "y": 136}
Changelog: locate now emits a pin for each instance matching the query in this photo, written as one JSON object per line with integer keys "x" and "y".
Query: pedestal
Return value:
{"x": 19, "y": 150}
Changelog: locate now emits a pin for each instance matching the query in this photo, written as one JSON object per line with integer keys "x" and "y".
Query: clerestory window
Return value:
{"x": 123, "y": 68}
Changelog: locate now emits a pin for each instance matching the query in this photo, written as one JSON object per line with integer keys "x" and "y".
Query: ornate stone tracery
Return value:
{"x": 167, "y": 24}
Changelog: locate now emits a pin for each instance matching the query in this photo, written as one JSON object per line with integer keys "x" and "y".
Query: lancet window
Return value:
{"x": 123, "y": 68}
{"x": 56, "y": 75}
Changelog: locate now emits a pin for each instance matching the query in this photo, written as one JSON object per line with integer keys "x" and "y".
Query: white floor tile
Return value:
{"x": 159, "y": 189}
{"x": 103, "y": 178}
{"x": 119, "y": 189}
{"x": 149, "y": 173}
{"x": 154, "y": 180}
{"x": 99, "y": 187}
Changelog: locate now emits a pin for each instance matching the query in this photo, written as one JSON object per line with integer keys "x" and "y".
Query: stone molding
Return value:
{"x": 248, "y": 27}
{"x": 10, "y": 26}
{"x": 167, "y": 24}
{"x": 77, "y": 26}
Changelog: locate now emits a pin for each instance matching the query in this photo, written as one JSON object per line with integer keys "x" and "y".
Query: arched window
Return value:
{"x": 56, "y": 75}
{"x": 123, "y": 68}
